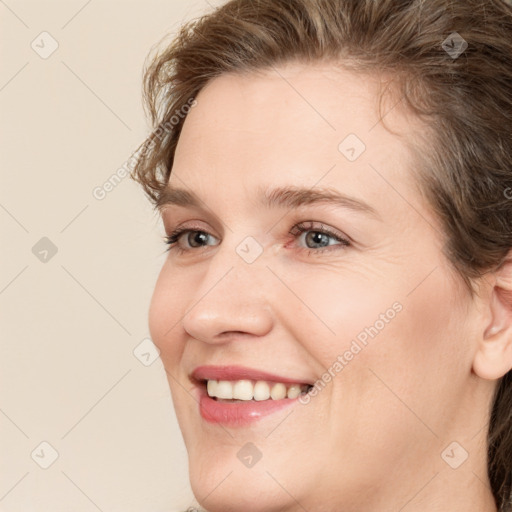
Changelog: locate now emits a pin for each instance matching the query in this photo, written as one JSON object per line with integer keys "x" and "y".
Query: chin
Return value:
{"x": 236, "y": 493}
{"x": 221, "y": 483}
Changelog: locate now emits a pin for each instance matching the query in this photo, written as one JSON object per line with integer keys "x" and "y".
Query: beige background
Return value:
{"x": 70, "y": 322}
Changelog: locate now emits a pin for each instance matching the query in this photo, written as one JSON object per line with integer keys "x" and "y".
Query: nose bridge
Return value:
{"x": 230, "y": 296}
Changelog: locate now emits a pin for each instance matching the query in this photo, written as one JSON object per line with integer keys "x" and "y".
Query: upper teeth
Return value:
{"x": 259, "y": 390}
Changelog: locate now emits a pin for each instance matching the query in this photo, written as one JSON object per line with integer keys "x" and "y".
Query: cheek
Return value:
{"x": 395, "y": 345}
{"x": 418, "y": 365}
{"x": 164, "y": 315}
{"x": 339, "y": 311}
{"x": 164, "y": 320}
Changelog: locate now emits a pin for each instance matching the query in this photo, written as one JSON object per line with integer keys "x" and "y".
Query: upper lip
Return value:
{"x": 234, "y": 372}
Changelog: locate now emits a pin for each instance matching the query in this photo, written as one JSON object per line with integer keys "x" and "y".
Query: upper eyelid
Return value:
{"x": 313, "y": 226}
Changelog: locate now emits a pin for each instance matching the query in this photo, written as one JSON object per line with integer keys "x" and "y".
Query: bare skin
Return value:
{"x": 377, "y": 437}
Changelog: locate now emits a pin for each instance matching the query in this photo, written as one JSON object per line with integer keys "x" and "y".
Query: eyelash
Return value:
{"x": 297, "y": 230}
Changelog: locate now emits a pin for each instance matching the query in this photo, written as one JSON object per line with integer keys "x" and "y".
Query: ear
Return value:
{"x": 493, "y": 358}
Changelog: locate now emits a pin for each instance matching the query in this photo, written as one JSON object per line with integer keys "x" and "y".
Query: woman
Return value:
{"x": 335, "y": 311}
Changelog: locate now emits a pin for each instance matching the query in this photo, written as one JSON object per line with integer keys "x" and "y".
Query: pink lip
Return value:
{"x": 238, "y": 414}
{"x": 239, "y": 373}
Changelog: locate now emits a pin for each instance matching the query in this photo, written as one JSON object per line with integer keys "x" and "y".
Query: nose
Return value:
{"x": 230, "y": 300}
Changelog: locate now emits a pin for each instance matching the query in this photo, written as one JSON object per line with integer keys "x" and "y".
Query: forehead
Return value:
{"x": 289, "y": 125}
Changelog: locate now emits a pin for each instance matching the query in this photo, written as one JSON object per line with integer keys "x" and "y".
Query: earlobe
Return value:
{"x": 493, "y": 358}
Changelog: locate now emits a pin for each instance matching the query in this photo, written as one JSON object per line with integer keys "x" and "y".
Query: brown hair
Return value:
{"x": 466, "y": 101}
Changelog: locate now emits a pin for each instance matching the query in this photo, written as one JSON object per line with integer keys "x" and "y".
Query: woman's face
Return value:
{"x": 380, "y": 324}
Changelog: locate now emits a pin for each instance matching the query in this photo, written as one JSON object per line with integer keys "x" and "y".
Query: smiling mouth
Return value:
{"x": 245, "y": 390}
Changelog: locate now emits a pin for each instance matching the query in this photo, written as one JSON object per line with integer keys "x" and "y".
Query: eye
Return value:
{"x": 318, "y": 235}
{"x": 315, "y": 235}
{"x": 198, "y": 237}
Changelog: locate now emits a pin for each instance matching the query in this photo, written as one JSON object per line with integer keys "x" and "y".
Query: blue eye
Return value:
{"x": 321, "y": 236}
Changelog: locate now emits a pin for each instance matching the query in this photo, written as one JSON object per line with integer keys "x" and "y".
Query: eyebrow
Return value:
{"x": 280, "y": 197}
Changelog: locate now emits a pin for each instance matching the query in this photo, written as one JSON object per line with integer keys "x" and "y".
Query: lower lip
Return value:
{"x": 239, "y": 414}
